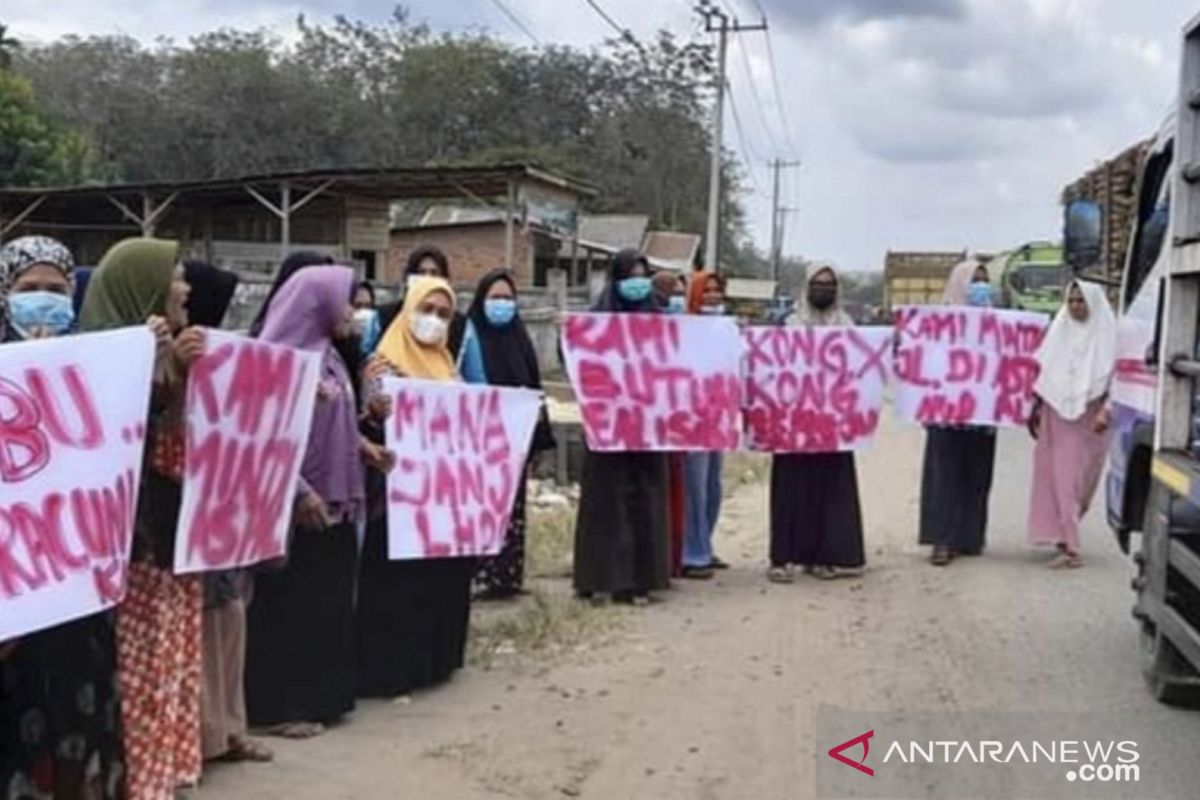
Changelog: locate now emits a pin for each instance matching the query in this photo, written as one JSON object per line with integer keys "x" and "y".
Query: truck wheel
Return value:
{"x": 1171, "y": 680}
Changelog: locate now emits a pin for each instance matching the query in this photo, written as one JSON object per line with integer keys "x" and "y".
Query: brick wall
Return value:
{"x": 473, "y": 250}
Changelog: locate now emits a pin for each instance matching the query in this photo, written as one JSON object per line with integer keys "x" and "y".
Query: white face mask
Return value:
{"x": 429, "y": 328}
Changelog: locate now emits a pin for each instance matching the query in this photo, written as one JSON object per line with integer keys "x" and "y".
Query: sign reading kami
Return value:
{"x": 249, "y": 409}
{"x": 814, "y": 389}
{"x": 460, "y": 461}
{"x": 72, "y": 430}
{"x": 655, "y": 381}
{"x": 966, "y": 366}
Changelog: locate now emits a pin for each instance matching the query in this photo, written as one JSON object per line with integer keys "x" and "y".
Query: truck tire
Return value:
{"x": 1170, "y": 679}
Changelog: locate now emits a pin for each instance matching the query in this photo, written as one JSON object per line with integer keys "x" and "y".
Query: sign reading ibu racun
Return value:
{"x": 72, "y": 433}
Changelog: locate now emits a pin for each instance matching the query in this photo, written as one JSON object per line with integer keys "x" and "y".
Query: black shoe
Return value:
{"x": 697, "y": 573}
{"x": 717, "y": 563}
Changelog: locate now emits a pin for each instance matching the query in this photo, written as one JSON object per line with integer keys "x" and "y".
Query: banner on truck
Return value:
{"x": 656, "y": 382}
{"x": 966, "y": 366}
{"x": 249, "y": 408}
{"x": 73, "y": 429}
{"x": 460, "y": 452}
{"x": 814, "y": 389}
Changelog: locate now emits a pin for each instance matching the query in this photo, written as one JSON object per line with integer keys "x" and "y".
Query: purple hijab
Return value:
{"x": 304, "y": 315}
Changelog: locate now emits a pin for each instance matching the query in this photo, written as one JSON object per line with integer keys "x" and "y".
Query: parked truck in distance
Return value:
{"x": 917, "y": 278}
{"x": 1030, "y": 278}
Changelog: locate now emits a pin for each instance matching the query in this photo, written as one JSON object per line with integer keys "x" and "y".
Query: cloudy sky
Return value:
{"x": 921, "y": 123}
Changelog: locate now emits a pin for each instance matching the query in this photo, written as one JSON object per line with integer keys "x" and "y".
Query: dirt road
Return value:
{"x": 713, "y": 693}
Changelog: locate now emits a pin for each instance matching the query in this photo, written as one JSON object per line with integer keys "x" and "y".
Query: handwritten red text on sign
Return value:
{"x": 656, "y": 382}
{"x": 249, "y": 409}
{"x": 72, "y": 428}
{"x": 461, "y": 453}
{"x": 966, "y": 366}
{"x": 814, "y": 389}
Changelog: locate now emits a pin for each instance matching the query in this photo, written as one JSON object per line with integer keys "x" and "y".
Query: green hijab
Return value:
{"x": 130, "y": 285}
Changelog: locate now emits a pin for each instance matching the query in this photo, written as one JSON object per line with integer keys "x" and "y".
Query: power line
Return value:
{"x": 758, "y": 103}
{"x": 779, "y": 104}
{"x": 624, "y": 33}
{"x": 516, "y": 20}
{"x": 748, "y": 154}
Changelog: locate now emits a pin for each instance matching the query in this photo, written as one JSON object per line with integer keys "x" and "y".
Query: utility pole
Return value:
{"x": 777, "y": 257}
{"x": 717, "y": 21}
{"x": 777, "y": 214}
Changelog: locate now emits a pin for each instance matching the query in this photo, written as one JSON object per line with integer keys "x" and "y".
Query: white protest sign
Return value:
{"x": 460, "y": 460}
{"x": 72, "y": 433}
{"x": 957, "y": 365}
{"x": 656, "y": 381}
{"x": 814, "y": 389}
{"x": 249, "y": 409}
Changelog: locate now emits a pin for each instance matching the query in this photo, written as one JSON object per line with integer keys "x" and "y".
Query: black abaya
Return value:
{"x": 622, "y": 536}
{"x": 412, "y": 618}
{"x": 955, "y": 484}
{"x": 816, "y": 519}
{"x": 300, "y": 632}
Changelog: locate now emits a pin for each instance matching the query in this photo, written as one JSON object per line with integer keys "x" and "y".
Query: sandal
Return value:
{"x": 1066, "y": 560}
{"x": 241, "y": 749}
{"x": 717, "y": 563}
{"x": 782, "y": 574}
{"x": 296, "y": 730}
{"x": 844, "y": 572}
{"x": 941, "y": 556}
{"x": 697, "y": 573}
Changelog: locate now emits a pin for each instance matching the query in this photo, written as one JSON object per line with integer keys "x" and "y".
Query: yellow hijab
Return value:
{"x": 402, "y": 350}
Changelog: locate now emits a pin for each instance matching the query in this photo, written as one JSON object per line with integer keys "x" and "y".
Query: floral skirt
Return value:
{"x": 158, "y": 651}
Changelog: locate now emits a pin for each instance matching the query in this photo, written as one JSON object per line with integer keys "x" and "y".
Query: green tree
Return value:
{"x": 31, "y": 151}
{"x": 8, "y": 46}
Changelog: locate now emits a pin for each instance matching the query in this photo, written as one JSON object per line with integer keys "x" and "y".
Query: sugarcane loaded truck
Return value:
{"x": 1152, "y": 485}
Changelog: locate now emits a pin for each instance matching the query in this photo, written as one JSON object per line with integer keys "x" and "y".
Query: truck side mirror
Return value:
{"x": 1083, "y": 230}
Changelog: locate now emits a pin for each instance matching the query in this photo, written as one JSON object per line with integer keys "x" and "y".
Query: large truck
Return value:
{"x": 917, "y": 278}
{"x": 1153, "y": 482}
{"x": 1030, "y": 278}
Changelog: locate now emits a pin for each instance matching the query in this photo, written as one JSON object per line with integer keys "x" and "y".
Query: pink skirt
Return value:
{"x": 1067, "y": 463}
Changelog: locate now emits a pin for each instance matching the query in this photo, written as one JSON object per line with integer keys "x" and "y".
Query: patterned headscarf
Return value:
{"x": 20, "y": 255}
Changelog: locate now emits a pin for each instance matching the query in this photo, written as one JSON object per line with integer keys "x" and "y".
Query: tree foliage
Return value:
{"x": 33, "y": 151}
{"x": 630, "y": 117}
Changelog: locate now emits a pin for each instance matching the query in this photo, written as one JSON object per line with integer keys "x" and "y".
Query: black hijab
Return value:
{"x": 508, "y": 355}
{"x": 211, "y": 295}
{"x": 622, "y": 266}
{"x": 290, "y": 266}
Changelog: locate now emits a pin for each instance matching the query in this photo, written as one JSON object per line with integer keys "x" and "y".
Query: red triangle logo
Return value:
{"x": 860, "y": 765}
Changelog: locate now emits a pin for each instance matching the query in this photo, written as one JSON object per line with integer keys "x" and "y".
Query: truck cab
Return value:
{"x": 1031, "y": 277}
{"x": 1153, "y": 481}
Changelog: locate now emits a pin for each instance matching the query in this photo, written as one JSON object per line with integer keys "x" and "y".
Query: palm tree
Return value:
{"x": 8, "y": 46}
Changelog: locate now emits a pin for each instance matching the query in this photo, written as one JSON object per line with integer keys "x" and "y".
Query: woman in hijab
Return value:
{"x": 509, "y": 359}
{"x": 222, "y": 696}
{"x": 412, "y": 616}
{"x": 816, "y": 517}
{"x": 431, "y": 262}
{"x": 158, "y": 623}
{"x": 622, "y": 534}
{"x": 51, "y": 745}
{"x": 957, "y": 475}
{"x": 702, "y": 471}
{"x": 1071, "y": 419}
{"x": 300, "y": 643}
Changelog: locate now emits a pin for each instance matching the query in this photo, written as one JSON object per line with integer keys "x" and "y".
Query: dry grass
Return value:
{"x": 544, "y": 623}
{"x": 550, "y": 542}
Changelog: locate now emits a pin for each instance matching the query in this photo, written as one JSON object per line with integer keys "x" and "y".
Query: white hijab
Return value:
{"x": 805, "y": 314}
{"x": 1077, "y": 359}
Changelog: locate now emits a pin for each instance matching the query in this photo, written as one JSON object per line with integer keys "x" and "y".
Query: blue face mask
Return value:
{"x": 980, "y": 294}
{"x": 676, "y": 304}
{"x": 634, "y": 290}
{"x": 500, "y": 311}
{"x": 367, "y": 322}
{"x": 40, "y": 312}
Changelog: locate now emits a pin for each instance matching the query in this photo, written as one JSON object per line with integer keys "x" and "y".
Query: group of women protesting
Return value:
{"x": 131, "y": 703}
